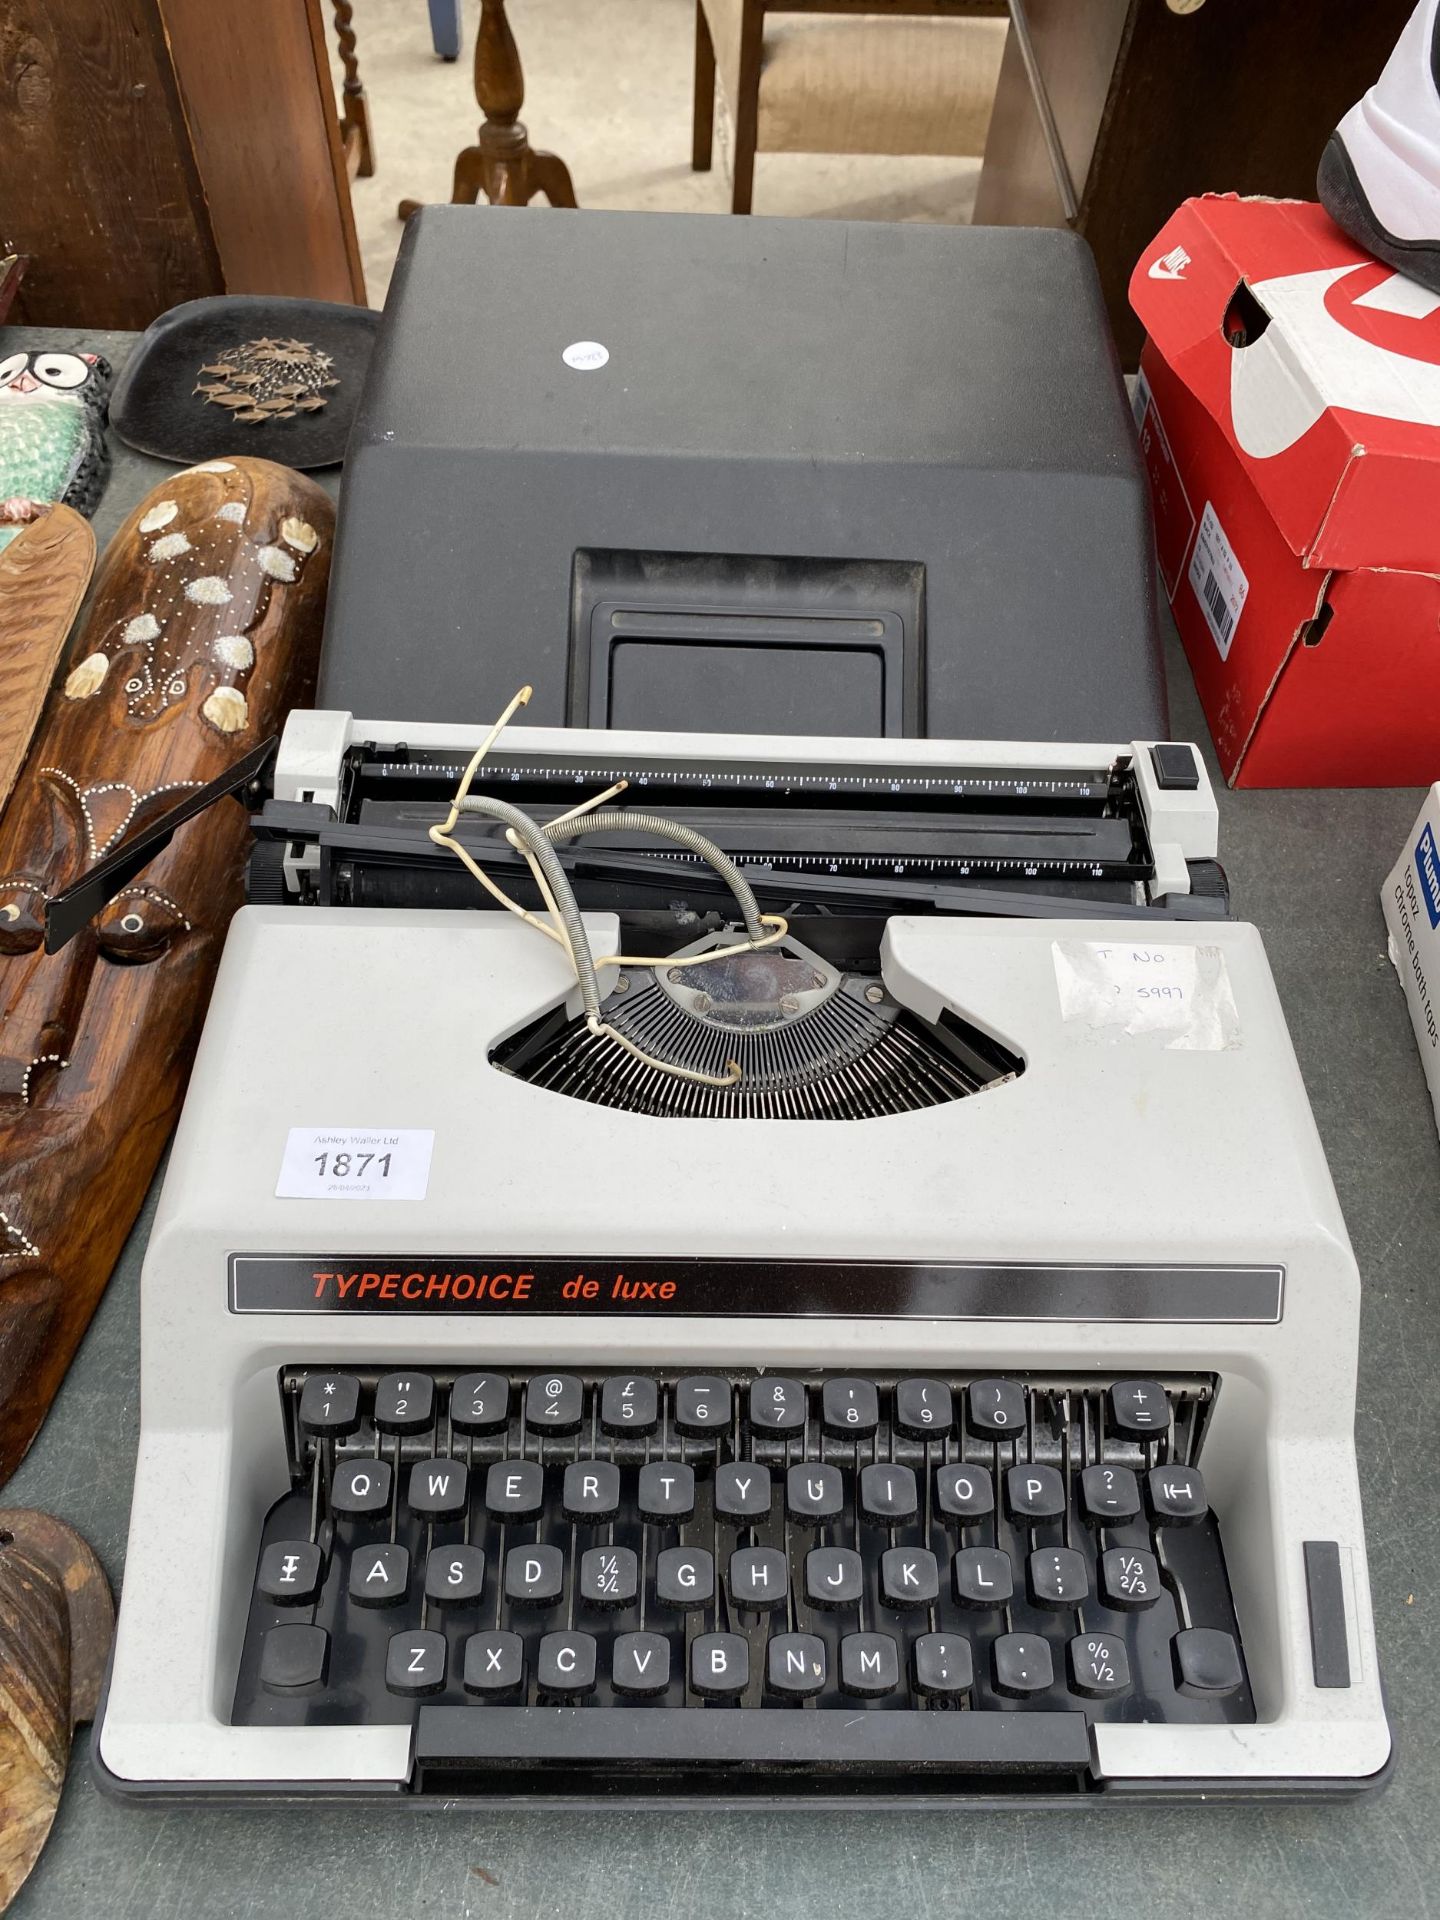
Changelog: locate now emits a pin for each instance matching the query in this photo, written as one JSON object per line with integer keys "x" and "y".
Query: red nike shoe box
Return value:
{"x": 1289, "y": 412}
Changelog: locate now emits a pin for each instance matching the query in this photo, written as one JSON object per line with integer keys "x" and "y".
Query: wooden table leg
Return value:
{"x": 502, "y": 165}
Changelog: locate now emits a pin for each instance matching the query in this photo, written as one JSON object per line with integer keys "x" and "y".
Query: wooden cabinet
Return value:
{"x": 153, "y": 151}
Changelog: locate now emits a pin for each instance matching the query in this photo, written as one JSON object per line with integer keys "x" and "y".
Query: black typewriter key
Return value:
{"x": 909, "y": 1577}
{"x": 640, "y": 1664}
{"x": 415, "y": 1663}
{"x": 924, "y": 1409}
{"x": 983, "y": 1577}
{"x": 850, "y": 1408}
{"x": 887, "y": 1494}
{"x": 591, "y": 1490}
{"x": 494, "y": 1663}
{"x": 379, "y": 1576}
{"x": 628, "y": 1405}
{"x": 1109, "y": 1495}
{"x": 814, "y": 1493}
{"x": 360, "y": 1487}
{"x": 439, "y": 1489}
{"x": 514, "y": 1489}
{"x": 869, "y": 1664}
{"x": 330, "y": 1404}
{"x": 964, "y": 1492}
{"x": 742, "y": 1491}
{"x": 834, "y": 1577}
{"x": 554, "y": 1403}
{"x": 1021, "y": 1665}
{"x": 1034, "y": 1493}
{"x": 480, "y": 1403}
{"x": 684, "y": 1577}
{"x": 1058, "y": 1578}
{"x": 795, "y": 1664}
{"x": 294, "y": 1658}
{"x": 565, "y": 1665}
{"x": 1207, "y": 1663}
{"x": 454, "y": 1576}
{"x": 534, "y": 1576}
{"x": 944, "y": 1665}
{"x": 289, "y": 1572}
{"x": 759, "y": 1578}
{"x": 404, "y": 1402}
{"x": 1177, "y": 1496}
{"x": 996, "y": 1408}
{"x": 666, "y": 1490}
{"x": 609, "y": 1577}
{"x": 777, "y": 1406}
{"x": 1099, "y": 1665}
{"x": 1129, "y": 1577}
{"x": 719, "y": 1665}
{"x": 702, "y": 1404}
{"x": 1139, "y": 1408}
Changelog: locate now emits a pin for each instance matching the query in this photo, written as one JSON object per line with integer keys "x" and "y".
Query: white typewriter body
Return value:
{"x": 1115, "y": 1152}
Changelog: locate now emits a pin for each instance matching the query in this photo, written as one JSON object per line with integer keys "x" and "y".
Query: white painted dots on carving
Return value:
{"x": 276, "y": 562}
{"x": 234, "y": 650}
{"x": 24, "y": 1245}
{"x": 92, "y": 799}
{"x": 169, "y": 546}
{"x": 160, "y": 515}
{"x": 150, "y": 893}
{"x": 27, "y": 1076}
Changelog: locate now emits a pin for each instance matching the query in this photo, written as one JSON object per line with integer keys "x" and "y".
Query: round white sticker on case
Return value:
{"x": 585, "y": 355}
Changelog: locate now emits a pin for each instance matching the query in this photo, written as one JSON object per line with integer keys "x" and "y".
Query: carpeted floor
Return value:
{"x": 608, "y": 88}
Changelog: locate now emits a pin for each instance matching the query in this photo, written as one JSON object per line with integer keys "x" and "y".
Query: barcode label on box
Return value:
{"x": 1218, "y": 580}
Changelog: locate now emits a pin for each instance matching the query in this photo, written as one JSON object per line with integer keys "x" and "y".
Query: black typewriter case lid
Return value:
{"x": 593, "y": 435}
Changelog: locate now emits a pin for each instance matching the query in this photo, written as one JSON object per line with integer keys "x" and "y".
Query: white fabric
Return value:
{"x": 866, "y": 83}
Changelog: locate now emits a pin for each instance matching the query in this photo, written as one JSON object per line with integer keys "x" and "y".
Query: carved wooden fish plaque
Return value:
{"x": 203, "y": 631}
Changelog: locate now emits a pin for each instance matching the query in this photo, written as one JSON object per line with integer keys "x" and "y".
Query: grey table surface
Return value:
{"x": 1306, "y": 868}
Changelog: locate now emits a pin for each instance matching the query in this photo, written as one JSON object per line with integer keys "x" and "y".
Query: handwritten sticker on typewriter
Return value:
{"x": 1180, "y": 992}
{"x": 355, "y": 1163}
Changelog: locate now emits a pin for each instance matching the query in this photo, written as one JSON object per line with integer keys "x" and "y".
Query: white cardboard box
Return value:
{"x": 1411, "y": 901}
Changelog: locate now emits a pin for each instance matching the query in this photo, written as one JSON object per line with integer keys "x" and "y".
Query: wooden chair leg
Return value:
{"x": 747, "y": 105}
{"x": 355, "y": 132}
{"x": 703, "y": 124}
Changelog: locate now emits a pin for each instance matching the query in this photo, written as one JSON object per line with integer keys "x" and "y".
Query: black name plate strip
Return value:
{"x": 864, "y": 1289}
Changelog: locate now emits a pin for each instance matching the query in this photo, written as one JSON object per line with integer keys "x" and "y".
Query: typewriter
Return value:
{"x": 858, "y": 1313}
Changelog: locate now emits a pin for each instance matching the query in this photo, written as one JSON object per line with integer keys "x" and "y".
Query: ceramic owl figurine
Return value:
{"x": 52, "y": 434}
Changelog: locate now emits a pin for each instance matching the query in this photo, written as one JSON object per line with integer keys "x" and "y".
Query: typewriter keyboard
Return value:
{"x": 582, "y": 1577}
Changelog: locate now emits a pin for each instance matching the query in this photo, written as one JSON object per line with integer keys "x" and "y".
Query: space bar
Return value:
{"x": 751, "y": 1736}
